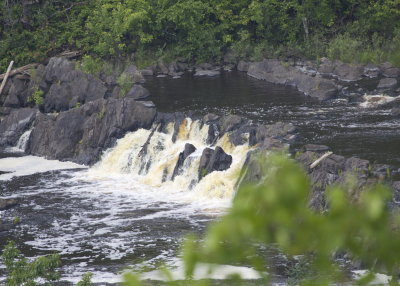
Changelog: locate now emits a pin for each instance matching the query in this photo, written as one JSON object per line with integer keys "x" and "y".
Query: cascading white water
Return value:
{"x": 22, "y": 143}
{"x": 153, "y": 162}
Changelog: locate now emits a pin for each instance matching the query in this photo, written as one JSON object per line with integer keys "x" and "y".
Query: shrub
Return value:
{"x": 22, "y": 272}
{"x": 125, "y": 82}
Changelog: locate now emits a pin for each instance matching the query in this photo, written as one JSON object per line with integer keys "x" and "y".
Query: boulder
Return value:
{"x": 73, "y": 89}
{"x": 134, "y": 74}
{"x": 80, "y": 134}
{"x": 210, "y": 117}
{"x": 316, "y": 148}
{"x": 243, "y": 66}
{"x": 392, "y": 72}
{"x": 387, "y": 83}
{"x": 15, "y": 124}
{"x": 207, "y": 73}
{"x": 189, "y": 149}
{"x": 348, "y": 72}
{"x": 396, "y": 112}
{"x": 7, "y": 203}
{"x": 17, "y": 94}
{"x": 230, "y": 122}
{"x": 138, "y": 92}
{"x": 372, "y": 71}
{"x": 396, "y": 191}
{"x": 56, "y": 68}
{"x": 213, "y": 160}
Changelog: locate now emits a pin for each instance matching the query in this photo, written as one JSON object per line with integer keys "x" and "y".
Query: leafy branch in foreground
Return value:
{"x": 275, "y": 212}
{"x": 22, "y": 272}
{"x": 40, "y": 271}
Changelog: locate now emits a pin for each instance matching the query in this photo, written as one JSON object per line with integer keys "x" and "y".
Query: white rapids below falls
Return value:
{"x": 125, "y": 211}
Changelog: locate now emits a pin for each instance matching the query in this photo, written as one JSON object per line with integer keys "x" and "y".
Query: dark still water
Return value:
{"x": 349, "y": 129}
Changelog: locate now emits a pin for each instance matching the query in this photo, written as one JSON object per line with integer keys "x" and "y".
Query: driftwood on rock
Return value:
{"x": 320, "y": 159}
{"x": 6, "y": 76}
{"x": 24, "y": 69}
{"x": 21, "y": 70}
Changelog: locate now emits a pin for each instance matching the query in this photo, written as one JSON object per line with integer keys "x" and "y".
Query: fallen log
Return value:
{"x": 320, "y": 159}
{"x": 3, "y": 84}
{"x": 21, "y": 70}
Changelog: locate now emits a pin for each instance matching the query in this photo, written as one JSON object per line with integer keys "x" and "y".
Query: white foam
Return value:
{"x": 376, "y": 100}
{"x": 205, "y": 271}
{"x": 379, "y": 279}
{"x": 28, "y": 165}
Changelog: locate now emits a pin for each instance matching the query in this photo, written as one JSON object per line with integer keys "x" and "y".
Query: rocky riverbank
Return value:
{"x": 75, "y": 116}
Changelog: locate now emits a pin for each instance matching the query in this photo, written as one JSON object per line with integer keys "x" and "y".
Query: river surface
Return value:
{"x": 113, "y": 216}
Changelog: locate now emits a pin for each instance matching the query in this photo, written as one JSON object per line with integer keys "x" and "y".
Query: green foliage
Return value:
{"x": 86, "y": 280}
{"x": 16, "y": 220}
{"x": 101, "y": 113}
{"x": 125, "y": 82}
{"x": 91, "y": 65}
{"x": 274, "y": 212}
{"x": 22, "y": 272}
{"x": 37, "y": 96}
{"x": 199, "y": 30}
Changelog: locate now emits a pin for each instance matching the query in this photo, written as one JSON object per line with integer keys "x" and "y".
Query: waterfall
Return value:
{"x": 152, "y": 157}
{"x": 22, "y": 143}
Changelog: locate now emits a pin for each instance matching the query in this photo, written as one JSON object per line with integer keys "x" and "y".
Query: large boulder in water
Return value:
{"x": 80, "y": 134}
{"x": 213, "y": 160}
{"x": 189, "y": 149}
{"x": 15, "y": 124}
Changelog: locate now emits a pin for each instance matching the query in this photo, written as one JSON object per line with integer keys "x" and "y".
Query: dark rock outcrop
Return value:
{"x": 189, "y": 149}
{"x": 213, "y": 160}
{"x": 15, "y": 124}
{"x": 275, "y": 72}
{"x": 71, "y": 89}
{"x": 80, "y": 134}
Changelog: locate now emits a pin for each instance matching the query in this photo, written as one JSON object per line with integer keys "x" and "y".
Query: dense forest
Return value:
{"x": 201, "y": 30}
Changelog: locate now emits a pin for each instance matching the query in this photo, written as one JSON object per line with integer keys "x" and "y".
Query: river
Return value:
{"x": 122, "y": 213}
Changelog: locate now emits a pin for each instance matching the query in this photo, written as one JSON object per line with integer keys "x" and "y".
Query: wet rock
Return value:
{"x": 372, "y": 71}
{"x": 396, "y": 112}
{"x": 138, "y": 92}
{"x": 210, "y": 117}
{"x": 213, "y": 160}
{"x": 80, "y": 134}
{"x": 213, "y": 134}
{"x": 134, "y": 74}
{"x": 162, "y": 68}
{"x": 273, "y": 71}
{"x": 147, "y": 71}
{"x": 7, "y": 203}
{"x": 230, "y": 122}
{"x": 387, "y": 83}
{"x": 207, "y": 73}
{"x": 396, "y": 191}
{"x": 189, "y": 149}
{"x": 392, "y": 72}
{"x": 277, "y": 130}
{"x": 316, "y": 148}
{"x": 15, "y": 124}
{"x": 243, "y": 66}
